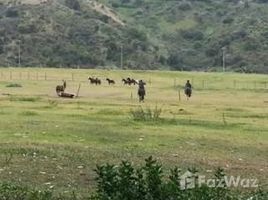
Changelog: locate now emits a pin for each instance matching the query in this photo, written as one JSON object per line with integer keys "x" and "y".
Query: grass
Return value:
{"x": 48, "y": 141}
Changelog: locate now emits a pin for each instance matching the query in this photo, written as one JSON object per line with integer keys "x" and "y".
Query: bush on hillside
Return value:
{"x": 12, "y": 12}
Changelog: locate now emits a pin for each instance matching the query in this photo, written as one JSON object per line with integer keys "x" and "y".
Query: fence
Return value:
{"x": 176, "y": 83}
{"x": 8, "y": 76}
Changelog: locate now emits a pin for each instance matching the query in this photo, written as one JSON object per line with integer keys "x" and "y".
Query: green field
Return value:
{"x": 50, "y": 142}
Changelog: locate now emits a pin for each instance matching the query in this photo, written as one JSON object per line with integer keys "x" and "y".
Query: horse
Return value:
{"x": 188, "y": 92}
{"x": 98, "y": 81}
{"x": 61, "y": 88}
{"x": 125, "y": 81}
{"x": 92, "y": 80}
{"x": 134, "y": 82}
{"x": 95, "y": 81}
{"x": 110, "y": 81}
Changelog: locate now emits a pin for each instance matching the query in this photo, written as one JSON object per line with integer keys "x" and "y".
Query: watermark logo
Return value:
{"x": 189, "y": 181}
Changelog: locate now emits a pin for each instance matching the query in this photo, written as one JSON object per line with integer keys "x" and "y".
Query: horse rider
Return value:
{"x": 188, "y": 84}
{"x": 188, "y": 89}
{"x": 141, "y": 90}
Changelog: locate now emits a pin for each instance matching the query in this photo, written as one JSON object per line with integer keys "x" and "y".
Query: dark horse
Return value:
{"x": 110, "y": 81}
{"x": 188, "y": 89}
{"x": 188, "y": 92}
{"x": 61, "y": 88}
{"x": 141, "y": 90}
{"x": 95, "y": 81}
{"x": 125, "y": 81}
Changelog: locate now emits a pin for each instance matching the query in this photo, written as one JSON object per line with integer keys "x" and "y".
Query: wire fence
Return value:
{"x": 177, "y": 83}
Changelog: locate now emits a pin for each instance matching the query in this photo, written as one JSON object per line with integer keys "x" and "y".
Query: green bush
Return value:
{"x": 10, "y": 191}
{"x": 125, "y": 182}
{"x": 148, "y": 114}
{"x": 12, "y": 13}
{"x": 13, "y": 85}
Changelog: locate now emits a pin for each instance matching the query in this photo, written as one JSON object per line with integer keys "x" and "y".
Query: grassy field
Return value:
{"x": 50, "y": 142}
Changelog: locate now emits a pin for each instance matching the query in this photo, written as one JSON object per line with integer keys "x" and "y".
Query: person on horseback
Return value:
{"x": 188, "y": 89}
{"x": 141, "y": 90}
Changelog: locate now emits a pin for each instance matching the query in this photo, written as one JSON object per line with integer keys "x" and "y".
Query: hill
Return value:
{"x": 143, "y": 34}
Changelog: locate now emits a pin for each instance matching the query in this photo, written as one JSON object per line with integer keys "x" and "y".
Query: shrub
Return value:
{"x": 73, "y": 4}
{"x": 192, "y": 35}
{"x": 13, "y": 85}
{"x": 148, "y": 182}
{"x": 12, "y": 13}
{"x": 185, "y": 6}
{"x": 14, "y": 192}
{"x": 228, "y": 20}
{"x": 147, "y": 114}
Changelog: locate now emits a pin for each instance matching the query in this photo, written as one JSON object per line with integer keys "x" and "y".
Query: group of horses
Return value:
{"x": 95, "y": 81}
{"x": 126, "y": 81}
{"x": 129, "y": 81}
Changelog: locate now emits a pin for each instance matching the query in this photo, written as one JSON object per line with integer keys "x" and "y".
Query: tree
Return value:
{"x": 73, "y": 4}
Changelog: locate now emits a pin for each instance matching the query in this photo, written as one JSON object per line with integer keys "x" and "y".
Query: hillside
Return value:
{"x": 150, "y": 34}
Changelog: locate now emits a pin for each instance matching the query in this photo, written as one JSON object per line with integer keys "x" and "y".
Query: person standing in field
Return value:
{"x": 141, "y": 90}
{"x": 188, "y": 89}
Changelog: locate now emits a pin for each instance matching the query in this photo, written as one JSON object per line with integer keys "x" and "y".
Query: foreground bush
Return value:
{"x": 148, "y": 182}
{"x": 125, "y": 182}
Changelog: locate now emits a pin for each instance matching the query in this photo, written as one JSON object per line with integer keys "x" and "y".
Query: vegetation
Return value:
{"x": 147, "y": 114}
{"x": 152, "y": 34}
{"x": 146, "y": 182}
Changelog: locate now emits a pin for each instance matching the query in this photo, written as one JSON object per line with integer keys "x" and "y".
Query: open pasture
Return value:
{"x": 52, "y": 142}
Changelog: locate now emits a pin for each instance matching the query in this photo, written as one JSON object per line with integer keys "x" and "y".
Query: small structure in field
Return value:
{"x": 60, "y": 90}
{"x": 66, "y": 95}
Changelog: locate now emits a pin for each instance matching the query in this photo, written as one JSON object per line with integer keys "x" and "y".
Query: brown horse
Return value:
{"x": 126, "y": 82}
{"x": 188, "y": 92}
{"x": 110, "y": 81}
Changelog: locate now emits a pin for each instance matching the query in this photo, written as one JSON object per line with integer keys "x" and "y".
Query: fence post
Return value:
{"x": 235, "y": 84}
{"x": 179, "y": 92}
{"x": 45, "y": 76}
{"x": 131, "y": 95}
